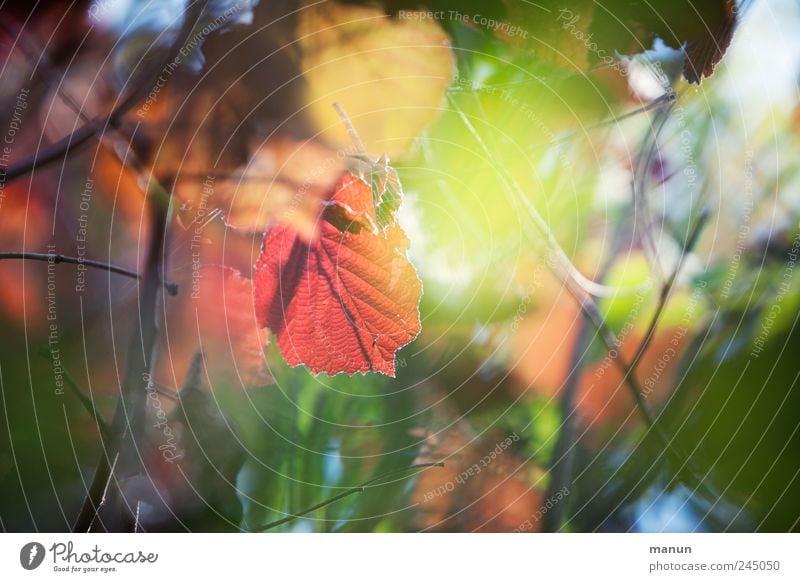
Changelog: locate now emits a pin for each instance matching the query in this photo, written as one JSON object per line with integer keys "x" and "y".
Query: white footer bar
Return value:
{"x": 355, "y": 557}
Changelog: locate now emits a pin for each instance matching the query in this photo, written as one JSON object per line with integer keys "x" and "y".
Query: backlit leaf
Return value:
{"x": 346, "y": 300}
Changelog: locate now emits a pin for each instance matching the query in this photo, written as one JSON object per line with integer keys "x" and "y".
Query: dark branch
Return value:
{"x": 128, "y": 424}
{"x": 141, "y": 86}
{"x": 172, "y": 288}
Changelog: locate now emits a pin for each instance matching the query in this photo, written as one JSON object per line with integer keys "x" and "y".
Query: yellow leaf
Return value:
{"x": 390, "y": 74}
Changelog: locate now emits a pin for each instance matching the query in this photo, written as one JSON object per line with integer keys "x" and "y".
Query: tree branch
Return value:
{"x": 669, "y": 284}
{"x": 657, "y": 103}
{"x": 346, "y": 493}
{"x": 563, "y": 458}
{"x": 583, "y": 291}
{"x": 141, "y": 87}
{"x": 172, "y": 288}
{"x": 127, "y": 426}
{"x": 558, "y": 261}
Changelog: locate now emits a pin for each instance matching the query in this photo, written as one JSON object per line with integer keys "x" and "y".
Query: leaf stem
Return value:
{"x": 351, "y": 130}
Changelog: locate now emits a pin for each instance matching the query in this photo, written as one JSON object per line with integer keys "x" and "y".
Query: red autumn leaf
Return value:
{"x": 347, "y": 299}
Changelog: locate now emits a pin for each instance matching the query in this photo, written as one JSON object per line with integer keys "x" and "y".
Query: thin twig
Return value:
{"x": 345, "y": 493}
{"x": 639, "y": 190}
{"x": 168, "y": 392}
{"x": 81, "y": 395}
{"x": 561, "y": 265}
{"x": 127, "y": 426}
{"x": 172, "y": 288}
{"x": 563, "y": 457}
{"x": 84, "y": 133}
{"x": 576, "y": 286}
{"x": 48, "y": 73}
{"x": 55, "y": 151}
{"x": 95, "y": 510}
{"x": 128, "y": 423}
{"x": 582, "y": 289}
{"x": 629, "y": 370}
{"x": 669, "y": 284}
{"x": 657, "y": 103}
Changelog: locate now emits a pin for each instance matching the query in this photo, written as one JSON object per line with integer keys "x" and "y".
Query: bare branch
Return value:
{"x": 93, "y": 511}
{"x": 97, "y": 127}
{"x": 656, "y": 104}
{"x": 128, "y": 424}
{"x": 172, "y": 288}
{"x": 559, "y": 262}
{"x": 669, "y": 284}
{"x": 576, "y": 284}
{"x": 346, "y": 493}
